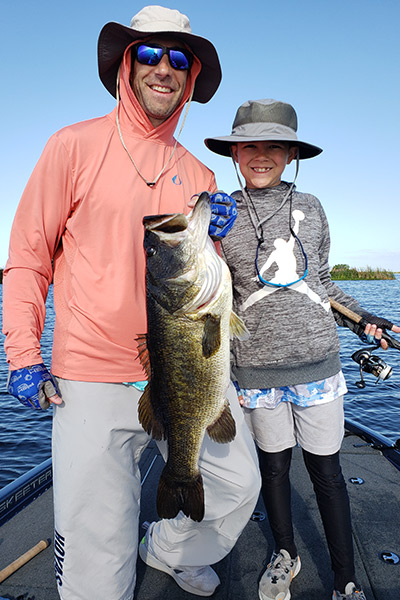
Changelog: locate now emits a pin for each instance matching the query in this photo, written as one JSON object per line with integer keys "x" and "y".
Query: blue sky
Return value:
{"x": 336, "y": 62}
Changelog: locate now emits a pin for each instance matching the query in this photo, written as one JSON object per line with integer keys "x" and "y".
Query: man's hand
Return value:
{"x": 224, "y": 213}
{"x": 33, "y": 387}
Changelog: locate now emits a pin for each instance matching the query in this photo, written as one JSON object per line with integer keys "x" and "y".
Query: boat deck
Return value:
{"x": 376, "y": 529}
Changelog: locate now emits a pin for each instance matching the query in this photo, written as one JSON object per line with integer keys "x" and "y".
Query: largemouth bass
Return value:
{"x": 186, "y": 351}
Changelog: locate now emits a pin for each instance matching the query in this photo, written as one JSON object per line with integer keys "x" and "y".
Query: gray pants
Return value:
{"x": 97, "y": 444}
{"x": 317, "y": 429}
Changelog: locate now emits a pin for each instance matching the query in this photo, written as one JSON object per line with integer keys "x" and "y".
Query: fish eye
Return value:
{"x": 151, "y": 251}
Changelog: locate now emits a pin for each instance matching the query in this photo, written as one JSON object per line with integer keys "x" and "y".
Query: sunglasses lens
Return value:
{"x": 148, "y": 55}
{"x": 151, "y": 55}
{"x": 178, "y": 60}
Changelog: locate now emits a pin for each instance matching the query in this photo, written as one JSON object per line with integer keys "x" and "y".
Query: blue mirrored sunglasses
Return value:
{"x": 151, "y": 54}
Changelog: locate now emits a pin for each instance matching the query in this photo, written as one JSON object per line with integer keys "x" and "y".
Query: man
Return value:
{"x": 81, "y": 216}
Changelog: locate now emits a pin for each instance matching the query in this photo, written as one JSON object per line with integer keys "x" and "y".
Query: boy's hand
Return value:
{"x": 224, "y": 213}
{"x": 373, "y": 335}
{"x": 33, "y": 387}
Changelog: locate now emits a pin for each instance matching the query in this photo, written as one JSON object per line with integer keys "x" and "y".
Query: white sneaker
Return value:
{"x": 275, "y": 583}
{"x": 201, "y": 581}
{"x": 351, "y": 592}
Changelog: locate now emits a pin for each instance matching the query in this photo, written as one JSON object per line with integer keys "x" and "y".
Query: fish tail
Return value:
{"x": 173, "y": 496}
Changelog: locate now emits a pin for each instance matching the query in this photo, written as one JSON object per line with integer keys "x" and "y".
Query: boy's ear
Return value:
{"x": 234, "y": 152}
{"x": 293, "y": 150}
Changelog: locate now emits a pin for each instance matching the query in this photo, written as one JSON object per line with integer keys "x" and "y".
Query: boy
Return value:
{"x": 289, "y": 372}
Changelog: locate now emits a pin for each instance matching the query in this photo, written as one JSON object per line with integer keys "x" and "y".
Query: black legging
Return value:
{"x": 333, "y": 503}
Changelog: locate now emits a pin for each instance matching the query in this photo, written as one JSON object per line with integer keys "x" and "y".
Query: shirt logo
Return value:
{"x": 283, "y": 256}
{"x": 177, "y": 180}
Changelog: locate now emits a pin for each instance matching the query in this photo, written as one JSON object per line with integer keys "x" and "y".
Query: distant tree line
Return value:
{"x": 344, "y": 272}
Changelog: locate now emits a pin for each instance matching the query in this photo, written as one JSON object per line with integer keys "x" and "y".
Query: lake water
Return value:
{"x": 25, "y": 435}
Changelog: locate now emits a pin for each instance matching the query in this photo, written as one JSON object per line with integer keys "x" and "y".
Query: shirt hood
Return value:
{"x": 132, "y": 116}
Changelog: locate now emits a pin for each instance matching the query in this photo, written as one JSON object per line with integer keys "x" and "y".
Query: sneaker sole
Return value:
{"x": 153, "y": 562}
{"x": 282, "y": 595}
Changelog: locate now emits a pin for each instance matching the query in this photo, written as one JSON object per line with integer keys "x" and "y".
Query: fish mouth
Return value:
{"x": 172, "y": 223}
{"x": 172, "y": 228}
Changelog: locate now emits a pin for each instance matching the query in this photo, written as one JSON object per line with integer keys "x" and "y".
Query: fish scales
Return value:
{"x": 186, "y": 355}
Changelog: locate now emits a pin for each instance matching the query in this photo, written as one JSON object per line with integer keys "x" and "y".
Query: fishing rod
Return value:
{"x": 392, "y": 342}
{"x": 370, "y": 363}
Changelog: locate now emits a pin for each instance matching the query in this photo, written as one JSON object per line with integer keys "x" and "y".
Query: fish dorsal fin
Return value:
{"x": 237, "y": 328}
{"x": 223, "y": 430}
{"x": 147, "y": 417}
{"x": 211, "y": 340}
{"x": 144, "y": 353}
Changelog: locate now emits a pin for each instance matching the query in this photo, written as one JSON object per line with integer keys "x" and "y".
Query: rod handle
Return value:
{"x": 23, "y": 559}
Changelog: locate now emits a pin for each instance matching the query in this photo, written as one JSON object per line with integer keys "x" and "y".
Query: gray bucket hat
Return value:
{"x": 114, "y": 39}
{"x": 263, "y": 120}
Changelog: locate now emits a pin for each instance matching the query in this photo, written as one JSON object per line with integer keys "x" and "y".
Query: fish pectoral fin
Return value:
{"x": 147, "y": 417}
{"x": 211, "y": 340}
{"x": 223, "y": 430}
{"x": 237, "y": 328}
{"x": 144, "y": 356}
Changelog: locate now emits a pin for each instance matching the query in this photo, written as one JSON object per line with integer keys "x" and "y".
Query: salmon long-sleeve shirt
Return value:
{"x": 81, "y": 217}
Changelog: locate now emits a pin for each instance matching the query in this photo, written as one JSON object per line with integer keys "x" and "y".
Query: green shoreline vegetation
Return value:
{"x": 344, "y": 272}
{"x": 340, "y": 273}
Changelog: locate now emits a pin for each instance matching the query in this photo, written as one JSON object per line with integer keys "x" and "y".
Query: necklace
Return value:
{"x": 147, "y": 182}
{"x": 256, "y": 222}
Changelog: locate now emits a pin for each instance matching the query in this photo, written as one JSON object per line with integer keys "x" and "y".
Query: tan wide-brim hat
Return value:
{"x": 263, "y": 120}
{"x": 114, "y": 39}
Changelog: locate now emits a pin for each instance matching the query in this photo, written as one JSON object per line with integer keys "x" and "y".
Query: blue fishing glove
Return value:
{"x": 380, "y": 322}
{"x": 32, "y": 386}
{"x": 224, "y": 213}
{"x": 370, "y": 339}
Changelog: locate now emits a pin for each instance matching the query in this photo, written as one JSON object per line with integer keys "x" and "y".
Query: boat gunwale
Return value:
{"x": 18, "y": 494}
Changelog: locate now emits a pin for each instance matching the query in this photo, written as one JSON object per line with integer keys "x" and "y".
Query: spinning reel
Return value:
{"x": 370, "y": 363}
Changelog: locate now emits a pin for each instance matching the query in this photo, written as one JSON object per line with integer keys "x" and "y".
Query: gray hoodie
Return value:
{"x": 293, "y": 337}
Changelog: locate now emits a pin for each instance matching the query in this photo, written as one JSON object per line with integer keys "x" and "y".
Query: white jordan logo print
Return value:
{"x": 284, "y": 257}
